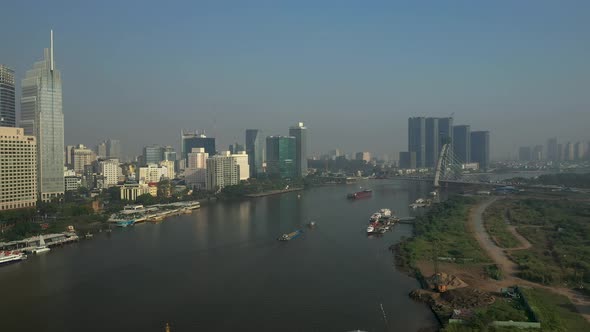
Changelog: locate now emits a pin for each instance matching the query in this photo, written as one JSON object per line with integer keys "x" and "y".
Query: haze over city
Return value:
{"x": 354, "y": 72}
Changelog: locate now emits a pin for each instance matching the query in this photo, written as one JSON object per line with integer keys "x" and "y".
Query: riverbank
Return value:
{"x": 273, "y": 192}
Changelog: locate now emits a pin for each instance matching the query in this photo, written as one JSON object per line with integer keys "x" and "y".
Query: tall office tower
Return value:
{"x": 480, "y": 148}
{"x": 18, "y": 169}
{"x": 537, "y": 154}
{"x": 299, "y": 131}
{"x": 569, "y": 152}
{"x": 82, "y": 156}
{"x": 560, "y": 152}
{"x": 445, "y": 130}
{"x": 255, "y": 151}
{"x": 407, "y": 160}
{"x": 462, "y": 143}
{"x": 195, "y": 174}
{"x": 188, "y": 141}
{"x": 552, "y": 153}
{"x": 525, "y": 153}
{"x": 101, "y": 150}
{"x": 113, "y": 149}
{"x": 222, "y": 171}
{"x": 432, "y": 144}
{"x": 110, "y": 171}
{"x": 7, "y": 97}
{"x": 42, "y": 117}
{"x": 365, "y": 156}
{"x": 280, "y": 156}
{"x": 68, "y": 156}
{"x": 580, "y": 151}
{"x": 152, "y": 154}
{"x": 417, "y": 139}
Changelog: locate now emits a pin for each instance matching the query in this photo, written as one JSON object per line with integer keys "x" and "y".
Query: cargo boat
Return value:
{"x": 290, "y": 236}
{"x": 360, "y": 194}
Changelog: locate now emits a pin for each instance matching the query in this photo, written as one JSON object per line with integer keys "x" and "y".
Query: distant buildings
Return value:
{"x": 151, "y": 173}
{"x": 18, "y": 169}
{"x": 101, "y": 150}
{"x": 195, "y": 174}
{"x": 480, "y": 148}
{"x": 445, "y": 129}
{"x": 152, "y": 154}
{"x": 222, "y": 171}
{"x": 365, "y": 156}
{"x": 552, "y": 149}
{"x": 537, "y": 153}
{"x": 524, "y": 153}
{"x": 110, "y": 171}
{"x": 432, "y": 146}
{"x": 42, "y": 117}
{"x": 242, "y": 162}
{"x": 407, "y": 160}
{"x": 417, "y": 139}
{"x": 299, "y": 131}
{"x": 462, "y": 143}
{"x": 255, "y": 151}
{"x": 281, "y": 156}
{"x": 7, "y": 97}
{"x": 188, "y": 141}
{"x": 81, "y": 157}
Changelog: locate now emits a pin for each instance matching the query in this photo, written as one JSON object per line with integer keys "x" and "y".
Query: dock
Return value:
{"x": 51, "y": 240}
{"x": 273, "y": 192}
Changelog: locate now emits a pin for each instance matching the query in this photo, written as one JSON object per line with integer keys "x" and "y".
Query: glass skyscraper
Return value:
{"x": 280, "y": 156}
{"x": 42, "y": 117}
{"x": 188, "y": 141}
{"x": 431, "y": 146}
{"x": 7, "y": 97}
{"x": 300, "y": 133}
{"x": 417, "y": 139}
{"x": 255, "y": 151}
{"x": 462, "y": 143}
{"x": 480, "y": 148}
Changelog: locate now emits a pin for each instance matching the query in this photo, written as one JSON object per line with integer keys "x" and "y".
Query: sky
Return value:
{"x": 352, "y": 71}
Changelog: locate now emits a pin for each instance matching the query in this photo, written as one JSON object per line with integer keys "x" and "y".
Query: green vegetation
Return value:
{"x": 444, "y": 229}
{"x": 574, "y": 180}
{"x": 493, "y": 271}
{"x": 497, "y": 227}
{"x": 559, "y": 231}
{"x": 555, "y": 312}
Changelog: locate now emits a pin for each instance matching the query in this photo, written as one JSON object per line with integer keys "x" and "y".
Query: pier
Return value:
{"x": 51, "y": 240}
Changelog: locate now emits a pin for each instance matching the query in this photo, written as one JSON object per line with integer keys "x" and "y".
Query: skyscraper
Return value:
{"x": 432, "y": 145}
{"x": 525, "y": 153}
{"x": 7, "y": 97}
{"x": 255, "y": 151}
{"x": 552, "y": 153}
{"x": 101, "y": 150}
{"x": 537, "y": 154}
{"x": 299, "y": 131}
{"x": 462, "y": 143}
{"x": 417, "y": 139}
{"x": 113, "y": 149}
{"x": 222, "y": 170}
{"x": 18, "y": 171}
{"x": 42, "y": 117}
{"x": 480, "y": 148}
{"x": 188, "y": 141}
{"x": 152, "y": 154}
{"x": 281, "y": 156}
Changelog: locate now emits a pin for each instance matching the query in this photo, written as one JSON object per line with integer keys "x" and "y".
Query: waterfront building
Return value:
{"x": 151, "y": 173}
{"x": 82, "y": 156}
{"x": 364, "y": 156}
{"x": 42, "y": 117}
{"x": 255, "y": 151}
{"x": 462, "y": 143}
{"x": 195, "y": 175}
{"x": 552, "y": 153}
{"x": 407, "y": 160}
{"x": 281, "y": 156}
{"x": 299, "y": 131}
{"x": 431, "y": 145}
{"x": 188, "y": 141}
{"x": 7, "y": 97}
{"x": 222, "y": 170}
{"x": 110, "y": 170}
{"x": 480, "y": 148}
{"x": 417, "y": 139}
{"x": 18, "y": 169}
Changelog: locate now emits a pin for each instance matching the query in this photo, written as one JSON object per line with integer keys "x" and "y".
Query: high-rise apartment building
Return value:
{"x": 365, "y": 156}
{"x": 151, "y": 173}
{"x": 101, "y": 150}
{"x": 462, "y": 143}
{"x": 255, "y": 151}
{"x": 407, "y": 160}
{"x": 432, "y": 145}
{"x": 580, "y": 151}
{"x": 281, "y": 156}
{"x": 82, "y": 156}
{"x": 195, "y": 174}
{"x": 243, "y": 166}
{"x": 480, "y": 148}
{"x": 537, "y": 153}
{"x": 222, "y": 171}
{"x": 188, "y": 141}
{"x": 525, "y": 153}
{"x": 42, "y": 116}
{"x": 569, "y": 152}
{"x": 445, "y": 129}
{"x": 7, "y": 97}
{"x": 18, "y": 169}
{"x": 552, "y": 153}
{"x": 110, "y": 170}
{"x": 113, "y": 150}
{"x": 299, "y": 131}
{"x": 417, "y": 139}
{"x": 169, "y": 164}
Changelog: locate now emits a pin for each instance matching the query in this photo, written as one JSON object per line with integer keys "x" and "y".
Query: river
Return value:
{"x": 222, "y": 269}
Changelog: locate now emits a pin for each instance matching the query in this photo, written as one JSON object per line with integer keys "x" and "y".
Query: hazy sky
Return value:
{"x": 353, "y": 71}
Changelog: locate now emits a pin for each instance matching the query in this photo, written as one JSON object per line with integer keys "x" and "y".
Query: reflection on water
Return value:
{"x": 221, "y": 269}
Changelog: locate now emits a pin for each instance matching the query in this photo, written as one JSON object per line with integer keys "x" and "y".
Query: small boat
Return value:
{"x": 88, "y": 235}
{"x": 41, "y": 248}
{"x": 290, "y": 236}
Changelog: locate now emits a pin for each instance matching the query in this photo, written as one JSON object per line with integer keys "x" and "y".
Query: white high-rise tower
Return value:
{"x": 42, "y": 117}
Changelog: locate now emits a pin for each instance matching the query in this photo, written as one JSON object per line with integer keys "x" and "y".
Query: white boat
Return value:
{"x": 370, "y": 229}
{"x": 41, "y": 248}
{"x": 385, "y": 213}
{"x": 11, "y": 256}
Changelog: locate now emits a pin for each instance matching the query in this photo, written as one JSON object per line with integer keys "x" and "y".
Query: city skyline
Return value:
{"x": 248, "y": 82}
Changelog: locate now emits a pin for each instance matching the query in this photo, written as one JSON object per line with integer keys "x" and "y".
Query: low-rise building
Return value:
{"x": 72, "y": 182}
{"x": 130, "y": 191}
{"x": 151, "y": 173}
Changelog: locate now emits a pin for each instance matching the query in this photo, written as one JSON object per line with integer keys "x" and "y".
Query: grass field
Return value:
{"x": 555, "y": 312}
{"x": 497, "y": 227}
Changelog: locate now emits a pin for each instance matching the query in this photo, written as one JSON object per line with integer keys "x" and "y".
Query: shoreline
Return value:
{"x": 273, "y": 192}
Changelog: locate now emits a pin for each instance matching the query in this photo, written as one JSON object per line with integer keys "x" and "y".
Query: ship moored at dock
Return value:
{"x": 381, "y": 221}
